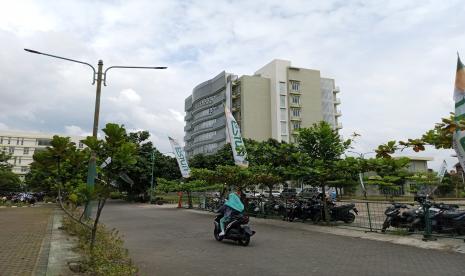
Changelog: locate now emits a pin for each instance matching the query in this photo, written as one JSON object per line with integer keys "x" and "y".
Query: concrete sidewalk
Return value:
{"x": 24, "y": 237}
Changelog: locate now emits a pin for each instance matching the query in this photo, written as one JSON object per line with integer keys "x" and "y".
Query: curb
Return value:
{"x": 42, "y": 259}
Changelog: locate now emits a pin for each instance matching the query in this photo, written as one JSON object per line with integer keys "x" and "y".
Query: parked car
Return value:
{"x": 309, "y": 192}
{"x": 251, "y": 194}
{"x": 288, "y": 192}
{"x": 273, "y": 193}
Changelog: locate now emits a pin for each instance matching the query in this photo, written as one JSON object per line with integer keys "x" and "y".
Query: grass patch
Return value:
{"x": 109, "y": 257}
{"x": 8, "y": 203}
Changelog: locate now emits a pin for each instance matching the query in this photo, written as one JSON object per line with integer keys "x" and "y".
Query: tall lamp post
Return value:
{"x": 98, "y": 76}
{"x": 153, "y": 165}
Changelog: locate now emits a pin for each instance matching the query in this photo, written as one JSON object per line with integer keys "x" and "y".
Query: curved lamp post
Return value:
{"x": 97, "y": 77}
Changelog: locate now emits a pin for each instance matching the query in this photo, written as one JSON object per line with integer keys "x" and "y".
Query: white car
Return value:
{"x": 273, "y": 193}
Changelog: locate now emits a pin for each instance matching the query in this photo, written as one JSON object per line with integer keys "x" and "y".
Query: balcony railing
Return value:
{"x": 337, "y": 101}
{"x": 338, "y": 113}
{"x": 336, "y": 89}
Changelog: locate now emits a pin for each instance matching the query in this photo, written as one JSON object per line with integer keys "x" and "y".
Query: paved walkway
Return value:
{"x": 24, "y": 238}
{"x": 167, "y": 241}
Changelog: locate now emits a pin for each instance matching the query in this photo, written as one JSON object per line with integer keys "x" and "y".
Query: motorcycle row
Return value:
{"x": 302, "y": 209}
{"x": 444, "y": 218}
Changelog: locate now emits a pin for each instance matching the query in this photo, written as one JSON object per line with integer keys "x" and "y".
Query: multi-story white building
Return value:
{"x": 22, "y": 145}
{"x": 273, "y": 103}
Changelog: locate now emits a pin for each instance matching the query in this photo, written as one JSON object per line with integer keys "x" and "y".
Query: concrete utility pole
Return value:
{"x": 98, "y": 77}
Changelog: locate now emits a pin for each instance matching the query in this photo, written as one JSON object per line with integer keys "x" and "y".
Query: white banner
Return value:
{"x": 237, "y": 144}
{"x": 459, "y": 98}
{"x": 181, "y": 157}
{"x": 442, "y": 171}
{"x": 361, "y": 181}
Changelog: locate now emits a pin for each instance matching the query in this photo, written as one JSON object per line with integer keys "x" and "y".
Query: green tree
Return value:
{"x": 141, "y": 172}
{"x": 426, "y": 182}
{"x": 122, "y": 152}
{"x": 324, "y": 147}
{"x": 391, "y": 173}
{"x": 346, "y": 175}
{"x": 9, "y": 181}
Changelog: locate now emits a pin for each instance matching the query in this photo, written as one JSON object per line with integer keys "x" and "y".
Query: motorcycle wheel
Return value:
{"x": 245, "y": 240}
{"x": 316, "y": 218}
{"x": 216, "y": 233}
{"x": 350, "y": 218}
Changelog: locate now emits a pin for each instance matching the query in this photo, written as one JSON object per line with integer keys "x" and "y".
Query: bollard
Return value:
{"x": 427, "y": 234}
{"x": 369, "y": 216}
{"x": 180, "y": 200}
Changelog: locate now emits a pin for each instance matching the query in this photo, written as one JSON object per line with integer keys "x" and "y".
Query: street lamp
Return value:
{"x": 151, "y": 180}
{"x": 98, "y": 76}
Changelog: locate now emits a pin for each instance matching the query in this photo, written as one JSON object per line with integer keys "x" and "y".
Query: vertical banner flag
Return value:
{"x": 237, "y": 144}
{"x": 459, "y": 98}
{"x": 181, "y": 157}
{"x": 442, "y": 171}
{"x": 361, "y": 182}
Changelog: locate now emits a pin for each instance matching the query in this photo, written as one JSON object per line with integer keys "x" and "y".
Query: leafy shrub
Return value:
{"x": 115, "y": 195}
{"x": 108, "y": 257}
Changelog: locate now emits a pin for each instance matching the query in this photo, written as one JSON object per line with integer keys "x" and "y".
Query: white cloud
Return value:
{"x": 76, "y": 131}
{"x": 394, "y": 61}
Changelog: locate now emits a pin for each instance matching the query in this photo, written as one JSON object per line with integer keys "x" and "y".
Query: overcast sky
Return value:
{"x": 393, "y": 60}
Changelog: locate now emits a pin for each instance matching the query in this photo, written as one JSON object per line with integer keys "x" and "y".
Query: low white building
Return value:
{"x": 22, "y": 145}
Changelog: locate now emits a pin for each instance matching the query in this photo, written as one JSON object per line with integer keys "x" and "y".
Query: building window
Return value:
{"x": 283, "y": 114}
{"x": 295, "y": 85}
{"x": 22, "y": 141}
{"x": 9, "y": 140}
{"x": 296, "y": 112}
{"x": 81, "y": 145}
{"x": 282, "y": 101}
{"x": 26, "y": 151}
{"x": 295, "y": 99}
{"x": 19, "y": 160}
{"x": 205, "y": 124}
{"x": 1, "y": 140}
{"x": 283, "y": 127}
{"x": 14, "y": 160}
{"x": 24, "y": 169}
{"x": 204, "y": 137}
{"x": 17, "y": 141}
{"x": 11, "y": 150}
{"x": 282, "y": 88}
{"x": 296, "y": 125}
{"x": 43, "y": 142}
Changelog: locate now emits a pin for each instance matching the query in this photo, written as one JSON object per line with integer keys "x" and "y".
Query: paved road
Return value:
{"x": 166, "y": 241}
{"x": 22, "y": 232}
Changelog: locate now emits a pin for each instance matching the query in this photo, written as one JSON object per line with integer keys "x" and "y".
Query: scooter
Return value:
{"x": 237, "y": 229}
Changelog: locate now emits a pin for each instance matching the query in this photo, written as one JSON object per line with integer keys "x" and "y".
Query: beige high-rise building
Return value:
{"x": 22, "y": 145}
{"x": 273, "y": 103}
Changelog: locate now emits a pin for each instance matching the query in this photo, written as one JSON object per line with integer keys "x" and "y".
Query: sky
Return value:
{"x": 394, "y": 61}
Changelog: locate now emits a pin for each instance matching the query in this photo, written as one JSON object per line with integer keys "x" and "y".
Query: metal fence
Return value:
{"x": 370, "y": 217}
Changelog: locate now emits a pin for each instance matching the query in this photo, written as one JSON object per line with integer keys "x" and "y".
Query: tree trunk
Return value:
{"x": 325, "y": 205}
{"x": 101, "y": 203}
{"x": 189, "y": 199}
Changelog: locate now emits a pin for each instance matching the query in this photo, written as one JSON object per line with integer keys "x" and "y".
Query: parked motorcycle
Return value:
{"x": 401, "y": 216}
{"x": 336, "y": 213}
{"x": 237, "y": 229}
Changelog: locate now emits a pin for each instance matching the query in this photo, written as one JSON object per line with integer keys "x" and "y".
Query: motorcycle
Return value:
{"x": 336, "y": 213}
{"x": 236, "y": 229}
{"x": 401, "y": 216}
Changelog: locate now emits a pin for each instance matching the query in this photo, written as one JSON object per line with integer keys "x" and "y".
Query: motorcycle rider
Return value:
{"x": 232, "y": 206}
